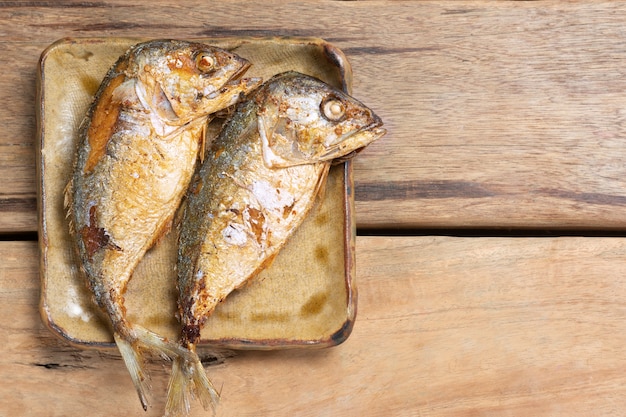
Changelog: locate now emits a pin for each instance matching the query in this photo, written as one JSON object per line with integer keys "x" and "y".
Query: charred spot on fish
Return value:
{"x": 196, "y": 185}
{"x": 190, "y": 334}
{"x": 359, "y": 113}
{"x": 288, "y": 210}
{"x": 259, "y": 100}
{"x": 266, "y": 102}
{"x": 257, "y": 223}
{"x": 333, "y": 108}
{"x": 200, "y": 281}
{"x": 217, "y": 152}
{"x": 178, "y": 60}
{"x": 234, "y": 210}
{"x": 95, "y": 238}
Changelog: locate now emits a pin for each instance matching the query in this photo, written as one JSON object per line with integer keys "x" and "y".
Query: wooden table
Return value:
{"x": 491, "y": 254}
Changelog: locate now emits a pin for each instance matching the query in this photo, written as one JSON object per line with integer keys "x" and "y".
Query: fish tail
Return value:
{"x": 188, "y": 381}
{"x": 134, "y": 363}
{"x": 132, "y": 348}
{"x": 160, "y": 345}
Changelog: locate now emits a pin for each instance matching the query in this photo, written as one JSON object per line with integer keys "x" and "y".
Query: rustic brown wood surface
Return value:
{"x": 499, "y": 115}
{"x": 446, "y": 327}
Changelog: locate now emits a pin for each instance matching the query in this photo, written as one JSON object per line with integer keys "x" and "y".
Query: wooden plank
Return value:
{"x": 508, "y": 114}
{"x": 500, "y": 114}
{"x": 446, "y": 327}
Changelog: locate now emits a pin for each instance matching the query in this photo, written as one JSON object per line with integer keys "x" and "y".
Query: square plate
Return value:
{"x": 306, "y": 297}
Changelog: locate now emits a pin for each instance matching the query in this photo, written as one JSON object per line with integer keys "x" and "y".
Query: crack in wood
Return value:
{"x": 61, "y": 366}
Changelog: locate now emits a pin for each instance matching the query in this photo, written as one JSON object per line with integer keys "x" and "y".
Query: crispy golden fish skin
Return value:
{"x": 258, "y": 182}
{"x": 137, "y": 151}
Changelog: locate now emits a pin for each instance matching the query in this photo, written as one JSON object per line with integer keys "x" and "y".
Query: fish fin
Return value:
{"x": 163, "y": 231}
{"x": 320, "y": 187}
{"x": 179, "y": 214}
{"x": 203, "y": 141}
{"x": 267, "y": 262}
{"x": 132, "y": 353}
{"x": 188, "y": 381}
{"x": 67, "y": 205}
{"x": 266, "y": 128}
{"x": 162, "y": 104}
{"x": 208, "y": 135}
{"x": 160, "y": 345}
{"x": 178, "y": 395}
{"x": 124, "y": 90}
{"x": 67, "y": 196}
{"x": 134, "y": 363}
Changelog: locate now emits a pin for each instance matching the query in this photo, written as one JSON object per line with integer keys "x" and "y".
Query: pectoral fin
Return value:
{"x": 162, "y": 105}
{"x": 279, "y": 142}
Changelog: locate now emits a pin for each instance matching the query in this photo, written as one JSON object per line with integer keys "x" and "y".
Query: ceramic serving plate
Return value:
{"x": 306, "y": 297}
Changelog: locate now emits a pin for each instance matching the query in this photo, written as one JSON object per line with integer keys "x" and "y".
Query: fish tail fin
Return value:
{"x": 134, "y": 363}
{"x": 132, "y": 348}
{"x": 160, "y": 345}
{"x": 188, "y": 381}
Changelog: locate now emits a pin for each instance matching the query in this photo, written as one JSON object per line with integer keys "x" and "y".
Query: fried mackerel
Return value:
{"x": 258, "y": 181}
{"x": 137, "y": 151}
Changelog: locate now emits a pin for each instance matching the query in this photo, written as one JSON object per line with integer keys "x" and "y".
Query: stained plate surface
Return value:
{"x": 305, "y": 298}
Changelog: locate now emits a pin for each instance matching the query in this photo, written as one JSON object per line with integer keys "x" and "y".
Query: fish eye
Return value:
{"x": 205, "y": 61}
{"x": 333, "y": 109}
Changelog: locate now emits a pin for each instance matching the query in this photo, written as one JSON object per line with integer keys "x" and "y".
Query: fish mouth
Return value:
{"x": 237, "y": 80}
{"x": 373, "y": 131}
{"x": 245, "y": 66}
{"x": 377, "y": 131}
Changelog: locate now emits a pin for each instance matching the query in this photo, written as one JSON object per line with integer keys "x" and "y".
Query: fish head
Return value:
{"x": 181, "y": 81}
{"x": 303, "y": 120}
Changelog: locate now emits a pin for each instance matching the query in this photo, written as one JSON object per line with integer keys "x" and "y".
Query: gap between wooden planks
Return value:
{"x": 447, "y": 326}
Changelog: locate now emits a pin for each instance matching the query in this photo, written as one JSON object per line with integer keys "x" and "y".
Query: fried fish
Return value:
{"x": 257, "y": 184}
{"x": 137, "y": 151}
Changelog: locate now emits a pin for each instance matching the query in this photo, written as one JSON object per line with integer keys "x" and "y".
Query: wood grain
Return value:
{"x": 446, "y": 327}
{"x": 500, "y": 114}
